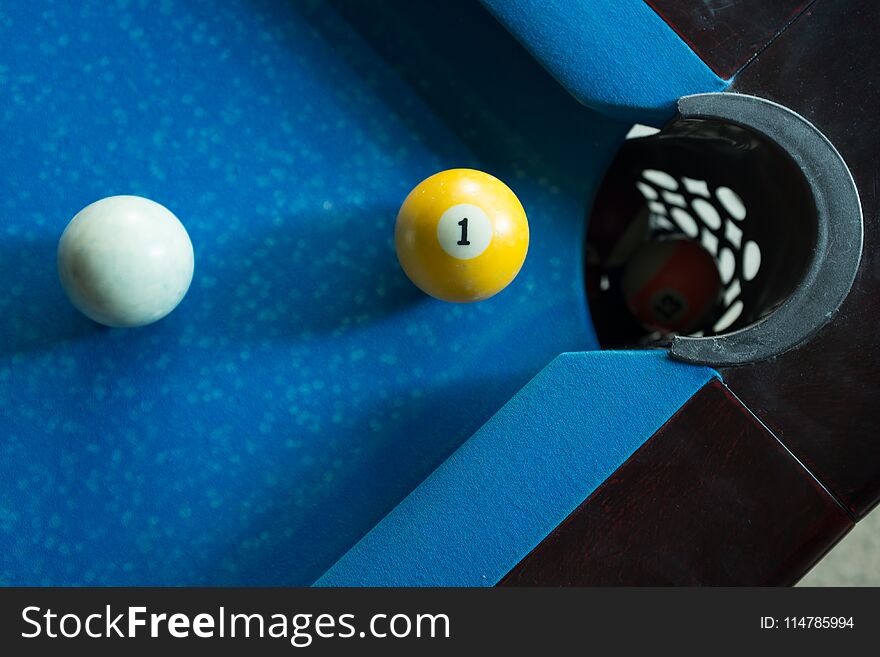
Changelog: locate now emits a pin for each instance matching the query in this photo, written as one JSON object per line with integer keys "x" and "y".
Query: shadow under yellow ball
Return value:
{"x": 461, "y": 235}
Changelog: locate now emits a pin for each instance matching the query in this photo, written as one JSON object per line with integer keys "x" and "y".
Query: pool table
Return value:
{"x": 306, "y": 415}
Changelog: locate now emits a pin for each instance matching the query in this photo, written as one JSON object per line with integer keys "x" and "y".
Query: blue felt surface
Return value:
{"x": 616, "y": 56}
{"x": 522, "y": 473}
{"x": 304, "y": 386}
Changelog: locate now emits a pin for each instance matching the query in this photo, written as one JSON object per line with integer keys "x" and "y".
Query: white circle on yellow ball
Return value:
{"x": 125, "y": 261}
{"x": 464, "y": 231}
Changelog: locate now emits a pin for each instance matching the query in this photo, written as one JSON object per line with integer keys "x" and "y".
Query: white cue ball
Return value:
{"x": 125, "y": 261}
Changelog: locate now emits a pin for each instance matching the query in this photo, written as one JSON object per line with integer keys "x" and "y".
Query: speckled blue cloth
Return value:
{"x": 304, "y": 386}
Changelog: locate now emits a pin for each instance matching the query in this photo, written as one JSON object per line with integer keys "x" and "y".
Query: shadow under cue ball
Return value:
{"x": 125, "y": 261}
{"x": 461, "y": 235}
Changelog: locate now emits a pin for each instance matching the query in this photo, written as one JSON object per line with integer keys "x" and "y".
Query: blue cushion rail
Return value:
{"x": 616, "y": 56}
{"x": 518, "y": 477}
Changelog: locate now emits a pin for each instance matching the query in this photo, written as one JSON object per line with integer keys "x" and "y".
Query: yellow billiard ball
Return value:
{"x": 461, "y": 235}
